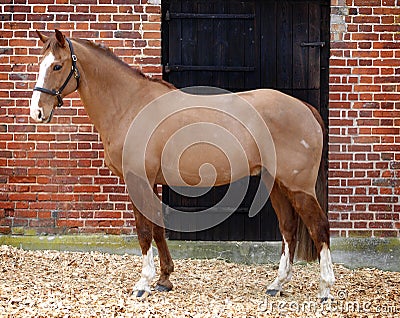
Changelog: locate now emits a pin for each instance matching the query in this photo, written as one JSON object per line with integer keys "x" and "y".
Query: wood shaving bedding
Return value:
{"x": 72, "y": 284}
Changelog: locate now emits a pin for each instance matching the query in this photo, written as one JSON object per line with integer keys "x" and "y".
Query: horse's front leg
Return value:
{"x": 166, "y": 263}
{"x": 145, "y": 235}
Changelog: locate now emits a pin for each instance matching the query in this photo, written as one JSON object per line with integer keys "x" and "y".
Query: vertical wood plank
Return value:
{"x": 220, "y": 44}
{"x": 314, "y": 14}
{"x": 189, "y": 42}
{"x": 301, "y": 94}
{"x": 205, "y": 33}
{"x": 175, "y": 43}
{"x": 236, "y": 39}
{"x": 237, "y": 227}
{"x": 251, "y": 48}
{"x": 284, "y": 44}
{"x": 268, "y": 39}
{"x": 300, "y": 54}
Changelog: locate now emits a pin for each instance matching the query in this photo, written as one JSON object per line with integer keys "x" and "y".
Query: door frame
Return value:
{"x": 322, "y": 193}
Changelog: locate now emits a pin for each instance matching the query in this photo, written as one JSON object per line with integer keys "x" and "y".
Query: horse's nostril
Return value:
{"x": 39, "y": 114}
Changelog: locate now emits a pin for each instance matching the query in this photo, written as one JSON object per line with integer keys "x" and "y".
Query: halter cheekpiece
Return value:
{"x": 74, "y": 72}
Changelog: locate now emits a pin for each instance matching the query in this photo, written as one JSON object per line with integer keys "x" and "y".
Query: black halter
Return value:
{"x": 74, "y": 72}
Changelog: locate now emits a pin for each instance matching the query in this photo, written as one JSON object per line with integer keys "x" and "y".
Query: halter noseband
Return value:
{"x": 74, "y": 72}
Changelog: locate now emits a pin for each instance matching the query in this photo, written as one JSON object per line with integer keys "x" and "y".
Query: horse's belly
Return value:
{"x": 205, "y": 165}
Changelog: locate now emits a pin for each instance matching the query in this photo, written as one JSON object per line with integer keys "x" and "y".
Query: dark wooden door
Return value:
{"x": 242, "y": 45}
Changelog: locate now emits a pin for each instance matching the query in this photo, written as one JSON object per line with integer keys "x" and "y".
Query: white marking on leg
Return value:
{"x": 327, "y": 275}
{"x": 305, "y": 144}
{"x": 284, "y": 271}
{"x": 35, "y": 109}
{"x": 148, "y": 272}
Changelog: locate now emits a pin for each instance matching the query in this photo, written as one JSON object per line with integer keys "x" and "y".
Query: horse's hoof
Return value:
{"x": 142, "y": 294}
{"x": 162, "y": 288}
{"x": 273, "y": 292}
{"x": 324, "y": 299}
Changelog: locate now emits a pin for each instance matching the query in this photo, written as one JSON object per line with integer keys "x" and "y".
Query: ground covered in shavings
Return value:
{"x": 66, "y": 284}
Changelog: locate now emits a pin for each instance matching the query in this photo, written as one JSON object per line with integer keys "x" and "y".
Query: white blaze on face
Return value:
{"x": 35, "y": 110}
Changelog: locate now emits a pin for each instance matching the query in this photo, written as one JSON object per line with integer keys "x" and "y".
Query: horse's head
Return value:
{"x": 57, "y": 67}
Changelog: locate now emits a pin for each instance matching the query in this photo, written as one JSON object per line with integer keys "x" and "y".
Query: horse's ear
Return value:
{"x": 41, "y": 36}
{"x": 60, "y": 38}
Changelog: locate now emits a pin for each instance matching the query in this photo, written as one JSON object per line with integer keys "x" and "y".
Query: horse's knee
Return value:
{"x": 167, "y": 265}
{"x": 158, "y": 233}
{"x": 145, "y": 238}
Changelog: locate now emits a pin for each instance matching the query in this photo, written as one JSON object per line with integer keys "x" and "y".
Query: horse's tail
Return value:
{"x": 306, "y": 248}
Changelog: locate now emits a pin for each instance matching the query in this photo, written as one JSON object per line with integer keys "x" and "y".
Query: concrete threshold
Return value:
{"x": 381, "y": 253}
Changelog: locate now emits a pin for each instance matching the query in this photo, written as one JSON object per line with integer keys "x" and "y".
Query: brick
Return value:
{"x": 359, "y": 233}
{"x": 362, "y": 216}
{"x": 385, "y": 233}
{"x": 365, "y": 54}
{"x": 22, "y": 179}
{"x": 127, "y": 34}
{"x": 387, "y": 28}
{"x": 82, "y": 17}
{"x": 86, "y": 188}
{"x": 380, "y": 225}
{"x": 103, "y": 26}
{"x": 70, "y": 223}
{"x": 104, "y": 9}
{"x": 367, "y": 88}
{"x": 365, "y": 37}
{"x": 386, "y": 130}
{"x": 107, "y": 215}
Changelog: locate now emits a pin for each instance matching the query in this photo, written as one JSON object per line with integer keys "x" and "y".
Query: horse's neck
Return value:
{"x": 111, "y": 93}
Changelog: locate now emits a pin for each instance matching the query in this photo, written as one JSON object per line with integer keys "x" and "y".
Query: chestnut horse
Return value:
{"x": 113, "y": 94}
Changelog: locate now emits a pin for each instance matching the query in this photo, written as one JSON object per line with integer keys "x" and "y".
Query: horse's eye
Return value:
{"x": 57, "y": 67}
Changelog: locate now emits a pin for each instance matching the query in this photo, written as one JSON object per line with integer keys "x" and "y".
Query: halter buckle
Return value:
{"x": 74, "y": 58}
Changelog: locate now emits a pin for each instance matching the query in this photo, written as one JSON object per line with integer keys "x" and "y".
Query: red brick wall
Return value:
{"x": 53, "y": 178}
{"x": 364, "y": 118}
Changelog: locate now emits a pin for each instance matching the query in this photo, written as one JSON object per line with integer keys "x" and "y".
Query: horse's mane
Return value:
{"x": 107, "y": 52}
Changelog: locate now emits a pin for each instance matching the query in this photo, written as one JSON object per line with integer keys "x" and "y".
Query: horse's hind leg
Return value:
{"x": 145, "y": 235}
{"x": 166, "y": 263}
{"x": 308, "y": 208}
{"x": 288, "y": 226}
